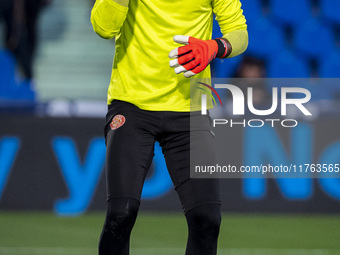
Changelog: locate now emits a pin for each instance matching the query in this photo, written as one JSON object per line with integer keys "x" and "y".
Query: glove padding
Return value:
{"x": 194, "y": 57}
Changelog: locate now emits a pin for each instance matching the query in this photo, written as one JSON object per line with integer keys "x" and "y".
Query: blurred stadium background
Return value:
{"x": 52, "y": 150}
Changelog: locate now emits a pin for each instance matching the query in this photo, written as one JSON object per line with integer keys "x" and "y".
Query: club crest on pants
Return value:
{"x": 117, "y": 121}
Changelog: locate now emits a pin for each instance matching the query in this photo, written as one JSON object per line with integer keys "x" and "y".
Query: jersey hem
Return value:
{"x": 160, "y": 108}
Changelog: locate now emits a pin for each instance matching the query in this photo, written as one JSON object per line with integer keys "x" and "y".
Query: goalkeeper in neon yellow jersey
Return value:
{"x": 160, "y": 44}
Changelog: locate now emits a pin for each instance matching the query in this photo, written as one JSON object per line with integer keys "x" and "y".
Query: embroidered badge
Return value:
{"x": 117, "y": 121}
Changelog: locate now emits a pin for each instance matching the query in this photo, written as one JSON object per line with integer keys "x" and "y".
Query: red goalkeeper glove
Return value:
{"x": 196, "y": 55}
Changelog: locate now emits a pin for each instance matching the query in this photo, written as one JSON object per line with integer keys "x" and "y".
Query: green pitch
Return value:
{"x": 165, "y": 234}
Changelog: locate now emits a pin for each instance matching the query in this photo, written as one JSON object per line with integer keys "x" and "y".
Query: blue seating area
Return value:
{"x": 286, "y": 64}
{"x": 330, "y": 10}
{"x": 314, "y": 39}
{"x": 261, "y": 38}
{"x": 330, "y": 66}
{"x": 15, "y": 93}
{"x": 289, "y": 12}
{"x": 253, "y": 9}
{"x": 295, "y": 38}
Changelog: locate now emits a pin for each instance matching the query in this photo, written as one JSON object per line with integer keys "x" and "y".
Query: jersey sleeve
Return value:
{"x": 229, "y": 15}
{"x": 108, "y": 16}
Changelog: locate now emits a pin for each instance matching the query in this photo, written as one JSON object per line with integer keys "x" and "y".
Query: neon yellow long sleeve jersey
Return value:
{"x": 144, "y": 30}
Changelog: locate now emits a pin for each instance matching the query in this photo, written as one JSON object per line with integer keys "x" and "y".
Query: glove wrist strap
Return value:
{"x": 222, "y": 48}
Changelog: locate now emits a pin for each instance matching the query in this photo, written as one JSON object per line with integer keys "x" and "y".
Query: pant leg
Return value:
{"x": 179, "y": 143}
{"x": 200, "y": 198}
{"x": 130, "y": 149}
